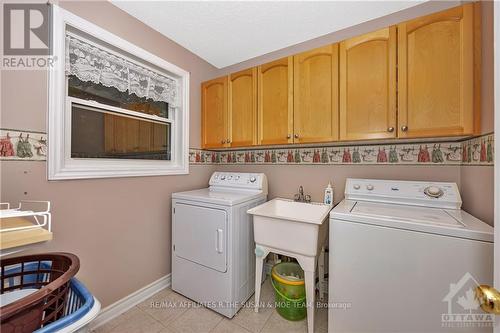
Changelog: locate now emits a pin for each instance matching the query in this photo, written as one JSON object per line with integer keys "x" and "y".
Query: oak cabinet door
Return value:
{"x": 316, "y": 112}
{"x": 435, "y": 74}
{"x": 145, "y": 141}
{"x": 109, "y": 133}
{"x": 243, "y": 108}
{"x": 275, "y": 102}
{"x": 368, "y": 86}
{"x": 214, "y": 123}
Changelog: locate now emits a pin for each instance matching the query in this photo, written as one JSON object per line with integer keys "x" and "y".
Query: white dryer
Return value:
{"x": 404, "y": 257}
{"x": 213, "y": 259}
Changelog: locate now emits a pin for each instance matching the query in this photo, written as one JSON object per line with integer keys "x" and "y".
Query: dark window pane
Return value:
{"x": 111, "y": 96}
{"x": 95, "y": 134}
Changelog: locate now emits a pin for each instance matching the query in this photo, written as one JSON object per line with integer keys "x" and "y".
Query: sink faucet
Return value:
{"x": 300, "y": 197}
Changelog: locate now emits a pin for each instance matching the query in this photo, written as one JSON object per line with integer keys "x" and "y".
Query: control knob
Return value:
{"x": 369, "y": 187}
{"x": 252, "y": 179}
{"x": 356, "y": 186}
{"x": 433, "y": 191}
{"x": 222, "y": 177}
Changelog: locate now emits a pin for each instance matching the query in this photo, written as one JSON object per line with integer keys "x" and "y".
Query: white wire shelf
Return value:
{"x": 37, "y": 212}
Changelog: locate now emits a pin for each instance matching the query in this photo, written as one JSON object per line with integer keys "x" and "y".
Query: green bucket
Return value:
{"x": 288, "y": 308}
{"x": 289, "y": 289}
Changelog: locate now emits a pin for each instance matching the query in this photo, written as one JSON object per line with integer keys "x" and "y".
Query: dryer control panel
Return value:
{"x": 239, "y": 181}
{"x": 428, "y": 194}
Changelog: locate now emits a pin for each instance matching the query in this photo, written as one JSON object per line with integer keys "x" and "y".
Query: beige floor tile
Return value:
{"x": 277, "y": 324}
{"x": 248, "y": 318}
{"x": 128, "y": 315}
{"x": 267, "y": 291}
{"x": 196, "y": 320}
{"x": 167, "y": 330}
{"x": 229, "y": 326}
{"x": 169, "y": 312}
{"x": 166, "y": 306}
{"x": 132, "y": 321}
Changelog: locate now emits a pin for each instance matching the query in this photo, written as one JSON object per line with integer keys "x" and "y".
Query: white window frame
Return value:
{"x": 60, "y": 164}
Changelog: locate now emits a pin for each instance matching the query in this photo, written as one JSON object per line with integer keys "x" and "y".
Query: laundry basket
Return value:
{"x": 38, "y": 287}
{"x": 81, "y": 309}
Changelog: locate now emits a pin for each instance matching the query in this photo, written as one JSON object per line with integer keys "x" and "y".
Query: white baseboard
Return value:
{"x": 128, "y": 302}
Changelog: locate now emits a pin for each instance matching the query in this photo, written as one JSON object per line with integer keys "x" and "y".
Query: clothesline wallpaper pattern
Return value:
{"x": 473, "y": 151}
{"x": 23, "y": 145}
{"x": 30, "y": 145}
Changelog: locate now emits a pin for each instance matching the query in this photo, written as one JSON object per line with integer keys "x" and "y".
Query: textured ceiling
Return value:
{"x": 225, "y": 33}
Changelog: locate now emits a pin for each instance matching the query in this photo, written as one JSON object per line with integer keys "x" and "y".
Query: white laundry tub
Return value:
{"x": 291, "y": 226}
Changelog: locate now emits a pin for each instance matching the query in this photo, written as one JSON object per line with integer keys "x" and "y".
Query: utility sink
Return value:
{"x": 291, "y": 226}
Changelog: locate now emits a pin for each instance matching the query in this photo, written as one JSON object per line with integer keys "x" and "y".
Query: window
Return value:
{"x": 115, "y": 110}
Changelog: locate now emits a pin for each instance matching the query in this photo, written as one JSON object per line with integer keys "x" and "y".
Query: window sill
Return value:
{"x": 87, "y": 174}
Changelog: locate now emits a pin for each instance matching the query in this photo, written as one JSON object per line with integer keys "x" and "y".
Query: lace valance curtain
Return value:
{"x": 89, "y": 62}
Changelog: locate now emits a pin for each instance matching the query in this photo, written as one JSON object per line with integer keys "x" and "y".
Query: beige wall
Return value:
{"x": 285, "y": 180}
{"x": 477, "y": 190}
{"x": 120, "y": 228}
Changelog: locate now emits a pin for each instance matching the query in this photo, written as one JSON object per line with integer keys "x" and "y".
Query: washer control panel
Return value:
{"x": 429, "y": 194}
{"x": 239, "y": 180}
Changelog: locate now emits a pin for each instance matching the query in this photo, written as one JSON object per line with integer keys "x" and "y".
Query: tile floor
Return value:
{"x": 154, "y": 315}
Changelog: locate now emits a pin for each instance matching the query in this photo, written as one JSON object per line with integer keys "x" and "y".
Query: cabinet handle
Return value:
{"x": 390, "y": 129}
{"x": 223, "y": 141}
{"x": 296, "y": 136}
{"x": 228, "y": 141}
{"x": 404, "y": 128}
{"x": 288, "y": 136}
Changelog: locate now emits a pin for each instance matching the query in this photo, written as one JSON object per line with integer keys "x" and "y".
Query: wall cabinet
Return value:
{"x": 436, "y": 74}
{"x": 368, "y": 86}
{"x": 243, "y": 108}
{"x": 418, "y": 79}
{"x": 124, "y": 135}
{"x": 275, "y": 102}
{"x": 214, "y": 113}
{"x": 315, "y": 95}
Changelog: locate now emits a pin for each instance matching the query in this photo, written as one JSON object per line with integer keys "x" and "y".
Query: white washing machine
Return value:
{"x": 213, "y": 260}
{"x": 404, "y": 257}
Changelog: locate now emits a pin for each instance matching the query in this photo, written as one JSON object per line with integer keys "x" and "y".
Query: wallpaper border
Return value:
{"x": 471, "y": 151}
{"x": 29, "y": 145}
{"x": 22, "y": 145}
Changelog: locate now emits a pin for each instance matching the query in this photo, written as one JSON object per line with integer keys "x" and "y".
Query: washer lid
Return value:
{"x": 219, "y": 197}
{"x": 446, "y": 222}
{"x": 405, "y": 213}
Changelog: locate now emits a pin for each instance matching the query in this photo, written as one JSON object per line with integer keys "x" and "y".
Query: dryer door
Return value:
{"x": 200, "y": 235}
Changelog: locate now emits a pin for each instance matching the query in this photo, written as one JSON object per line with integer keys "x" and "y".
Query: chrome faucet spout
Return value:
{"x": 300, "y": 197}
